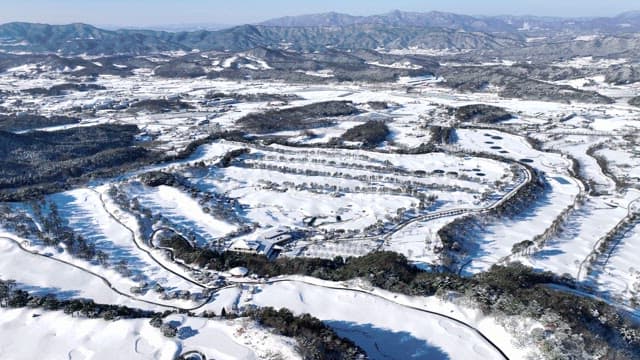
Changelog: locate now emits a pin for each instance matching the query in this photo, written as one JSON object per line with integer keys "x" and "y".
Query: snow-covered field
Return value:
{"x": 84, "y": 211}
{"x": 333, "y": 202}
{"x": 58, "y": 335}
{"x": 497, "y": 239}
{"x": 384, "y": 324}
{"x": 182, "y": 210}
{"x": 564, "y": 253}
{"x": 43, "y": 275}
{"x": 288, "y": 186}
{"x": 621, "y": 273}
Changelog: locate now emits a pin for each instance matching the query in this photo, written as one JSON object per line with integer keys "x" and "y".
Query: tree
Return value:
{"x": 109, "y": 315}
{"x": 156, "y": 321}
{"x": 102, "y": 257}
{"x": 168, "y": 330}
{"x": 50, "y": 302}
{"x": 73, "y": 307}
{"x": 88, "y": 308}
{"x": 18, "y": 298}
{"x": 6, "y": 287}
{"x": 122, "y": 267}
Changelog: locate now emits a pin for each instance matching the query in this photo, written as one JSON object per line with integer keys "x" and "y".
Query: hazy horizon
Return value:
{"x": 147, "y": 13}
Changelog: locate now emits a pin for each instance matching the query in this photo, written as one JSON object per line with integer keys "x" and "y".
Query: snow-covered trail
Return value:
{"x": 387, "y": 325}
{"x": 382, "y": 325}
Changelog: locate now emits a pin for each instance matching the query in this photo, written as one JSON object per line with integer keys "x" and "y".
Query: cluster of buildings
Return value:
{"x": 269, "y": 243}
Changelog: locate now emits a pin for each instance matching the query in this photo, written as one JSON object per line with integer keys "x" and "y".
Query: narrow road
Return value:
{"x": 104, "y": 280}
{"x": 422, "y": 310}
{"x": 214, "y": 292}
{"x": 273, "y": 281}
{"x": 170, "y": 251}
{"x": 527, "y": 177}
{"x": 141, "y": 247}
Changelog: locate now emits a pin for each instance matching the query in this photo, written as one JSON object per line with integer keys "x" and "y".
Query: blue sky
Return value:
{"x": 159, "y": 12}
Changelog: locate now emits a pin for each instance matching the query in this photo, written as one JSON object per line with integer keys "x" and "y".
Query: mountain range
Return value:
{"x": 395, "y": 30}
{"x": 625, "y": 22}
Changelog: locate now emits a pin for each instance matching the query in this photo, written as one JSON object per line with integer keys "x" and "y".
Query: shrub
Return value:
{"x": 370, "y": 134}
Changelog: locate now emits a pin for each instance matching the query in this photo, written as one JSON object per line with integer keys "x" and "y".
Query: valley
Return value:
{"x": 415, "y": 204}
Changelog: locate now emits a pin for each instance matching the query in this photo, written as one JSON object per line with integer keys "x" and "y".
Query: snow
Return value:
{"x": 497, "y": 239}
{"x": 586, "y": 38}
{"x": 507, "y": 145}
{"x": 344, "y": 217}
{"x": 417, "y": 241}
{"x": 182, "y": 210}
{"x": 271, "y": 206}
{"x": 577, "y": 147}
{"x": 255, "y": 63}
{"x": 622, "y": 163}
{"x": 425, "y": 51}
{"x": 22, "y": 68}
{"x": 239, "y": 271}
{"x": 396, "y": 323}
{"x": 397, "y": 65}
{"x": 58, "y": 335}
{"x": 536, "y": 39}
{"x": 563, "y": 254}
{"x": 589, "y": 61}
{"x": 621, "y": 273}
{"x": 319, "y": 73}
{"x": 260, "y": 63}
{"x": 43, "y": 275}
{"x": 83, "y": 210}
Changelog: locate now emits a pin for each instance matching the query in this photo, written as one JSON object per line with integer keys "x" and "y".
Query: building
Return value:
{"x": 251, "y": 247}
{"x": 239, "y": 271}
{"x": 277, "y": 235}
{"x": 266, "y": 244}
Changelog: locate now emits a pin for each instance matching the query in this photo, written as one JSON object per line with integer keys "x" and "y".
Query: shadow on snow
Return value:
{"x": 386, "y": 344}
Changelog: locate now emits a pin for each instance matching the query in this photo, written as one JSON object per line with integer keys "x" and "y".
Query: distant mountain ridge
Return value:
{"x": 86, "y": 39}
{"x": 171, "y": 27}
{"x": 319, "y": 32}
{"x": 433, "y": 19}
{"x": 628, "y": 21}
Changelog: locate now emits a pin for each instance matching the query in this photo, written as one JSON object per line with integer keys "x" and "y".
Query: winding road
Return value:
{"x": 214, "y": 292}
{"x": 142, "y": 248}
{"x": 527, "y": 177}
{"x": 102, "y": 278}
{"x": 416, "y": 308}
